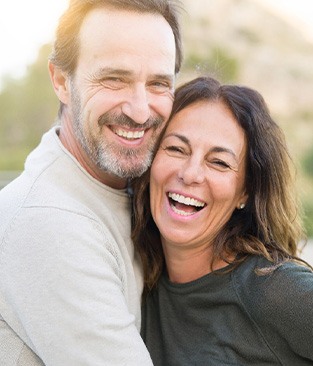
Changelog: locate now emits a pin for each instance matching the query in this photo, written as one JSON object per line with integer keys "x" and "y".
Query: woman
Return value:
{"x": 223, "y": 218}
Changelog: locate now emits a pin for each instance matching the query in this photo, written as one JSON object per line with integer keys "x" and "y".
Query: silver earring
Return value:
{"x": 242, "y": 205}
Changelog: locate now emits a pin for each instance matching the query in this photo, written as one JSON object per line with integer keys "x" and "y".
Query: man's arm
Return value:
{"x": 64, "y": 291}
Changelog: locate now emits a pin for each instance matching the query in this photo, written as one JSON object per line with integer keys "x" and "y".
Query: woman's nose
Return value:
{"x": 192, "y": 172}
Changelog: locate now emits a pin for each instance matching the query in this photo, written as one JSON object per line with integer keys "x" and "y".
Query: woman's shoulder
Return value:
{"x": 257, "y": 275}
{"x": 275, "y": 296}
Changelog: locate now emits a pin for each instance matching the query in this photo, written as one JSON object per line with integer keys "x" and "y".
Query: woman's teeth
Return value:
{"x": 184, "y": 206}
{"x": 185, "y": 200}
{"x": 181, "y": 212}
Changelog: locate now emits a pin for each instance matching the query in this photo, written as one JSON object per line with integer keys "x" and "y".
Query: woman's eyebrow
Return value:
{"x": 214, "y": 149}
{"x": 221, "y": 149}
{"x": 183, "y": 138}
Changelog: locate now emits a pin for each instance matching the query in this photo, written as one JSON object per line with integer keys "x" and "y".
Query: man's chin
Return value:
{"x": 133, "y": 172}
{"x": 126, "y": 171}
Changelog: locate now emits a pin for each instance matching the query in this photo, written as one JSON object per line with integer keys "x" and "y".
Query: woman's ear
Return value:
{"x": 60, "y": 82}
{"x": 242, "y": 201}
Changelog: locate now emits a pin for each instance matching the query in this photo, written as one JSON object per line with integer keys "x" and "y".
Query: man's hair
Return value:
{"x": 66, "y": 46}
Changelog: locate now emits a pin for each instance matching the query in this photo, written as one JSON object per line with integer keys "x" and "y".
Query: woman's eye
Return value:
{"x": 174, "y": 149}
{"x": 221, "y": 164}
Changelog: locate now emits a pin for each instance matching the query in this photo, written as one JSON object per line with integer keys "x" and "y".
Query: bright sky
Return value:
{"x": 27, "y": 24}
{"x": 298, "y": 12}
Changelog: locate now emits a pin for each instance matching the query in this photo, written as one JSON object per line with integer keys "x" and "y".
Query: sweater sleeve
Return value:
{"x": 63, "y": 280}
{"x": 281, "y": 305}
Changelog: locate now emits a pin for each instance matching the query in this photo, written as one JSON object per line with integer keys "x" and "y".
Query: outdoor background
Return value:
{"x": 264, "y": 44}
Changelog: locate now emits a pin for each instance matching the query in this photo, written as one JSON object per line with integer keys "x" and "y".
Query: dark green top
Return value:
{"x": 237, "y": 318}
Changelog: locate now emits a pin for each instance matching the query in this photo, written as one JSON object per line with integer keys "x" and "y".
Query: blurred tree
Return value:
{"x": 308, "y": 218}
{"x": 28, "y": 108}
{"x": 216, "y": 60}
{"x": 307, "y": 165}
{"x": 308, "y": 162}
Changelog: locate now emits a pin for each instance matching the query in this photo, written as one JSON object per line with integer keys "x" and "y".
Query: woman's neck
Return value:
{"x": 186, "y": 264}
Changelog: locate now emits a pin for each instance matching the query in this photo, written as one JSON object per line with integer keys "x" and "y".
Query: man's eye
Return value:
{"x": 159, "y": 86}
{"x": 112, "y": 82}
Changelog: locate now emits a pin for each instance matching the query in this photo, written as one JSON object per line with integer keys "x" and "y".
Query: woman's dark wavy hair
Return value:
{"x": 269, "y": 225}
{"x": 66, "y": 45}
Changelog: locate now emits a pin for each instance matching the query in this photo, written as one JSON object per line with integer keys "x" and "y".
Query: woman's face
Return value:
{"x": 198, "y": 174}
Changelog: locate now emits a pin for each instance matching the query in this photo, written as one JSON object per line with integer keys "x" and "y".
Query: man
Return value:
{"x": 70, "y": 283}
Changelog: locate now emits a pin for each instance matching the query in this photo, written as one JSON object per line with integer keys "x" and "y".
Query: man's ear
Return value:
{"x": 60, "y": 82}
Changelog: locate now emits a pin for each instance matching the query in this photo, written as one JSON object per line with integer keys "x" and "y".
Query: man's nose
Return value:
{"x": 136, "y": 106}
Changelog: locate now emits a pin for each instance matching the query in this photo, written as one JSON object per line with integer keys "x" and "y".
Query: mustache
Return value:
{"x": 110, "y": 118}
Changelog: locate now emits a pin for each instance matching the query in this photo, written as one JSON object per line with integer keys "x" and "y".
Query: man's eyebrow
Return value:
{"x": 111, "y": 70}
{"x": 168, "y": 77}
{"x": 122, "y": 72}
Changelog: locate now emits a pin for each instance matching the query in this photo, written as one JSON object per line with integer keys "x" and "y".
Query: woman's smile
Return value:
{"x": 184, "y": 205}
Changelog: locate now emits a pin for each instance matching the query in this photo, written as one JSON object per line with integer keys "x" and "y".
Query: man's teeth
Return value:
{"x": 185, "y": 200}
{"x": 130, "y": 134}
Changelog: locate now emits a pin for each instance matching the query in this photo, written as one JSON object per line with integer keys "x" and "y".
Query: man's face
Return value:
{"x": 122, "y": 89}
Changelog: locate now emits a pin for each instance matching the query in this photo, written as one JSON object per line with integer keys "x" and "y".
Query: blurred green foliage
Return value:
{"x": 28, "y": 108}
{"x": 225, "y": 66}
{"x": 308, "y": 218}
{"x": 308, "y": 162}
